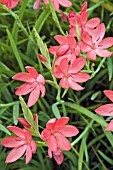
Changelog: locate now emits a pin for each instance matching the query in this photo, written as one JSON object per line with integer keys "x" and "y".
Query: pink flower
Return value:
{"x": 10, "y": 3}
{"x": 95, "y": 44}
{"x": 107, "y": 109}
{"x": 68, "y": 47}
{"x": 34, "y": 85}
{"x": 21, "y": 143}
{"x": 55, "y": 135}
{"x": 82, "y": 21}
{"x": 70, "y": 74}
{"x": 56, "y": 3}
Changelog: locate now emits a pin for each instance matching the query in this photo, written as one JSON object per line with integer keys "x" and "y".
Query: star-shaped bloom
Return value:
{"x": 55, "y": 135}
{"x": 95, "y": 44}
{"x": 34, "y": 85}
{"x": 70, "y": 74}
{"x": 21, "y": 143}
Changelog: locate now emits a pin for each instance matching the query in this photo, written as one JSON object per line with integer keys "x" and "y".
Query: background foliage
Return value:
{"x": 93, "y": 147}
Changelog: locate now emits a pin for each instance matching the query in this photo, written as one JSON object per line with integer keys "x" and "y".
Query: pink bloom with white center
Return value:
{"x": 55, "y": 135}
{"x": 82, "y": 21}
{"x": 70, "y": 74}
{"x": 68, "y": 48}
{"x": 95, "y": 44}
{"x": 10, "y": 3}
{"x": 34, "y": 85}
{"x": 56, "y": 3}
{"x": 21, "y": 143}
{"x": 107, "y": 109}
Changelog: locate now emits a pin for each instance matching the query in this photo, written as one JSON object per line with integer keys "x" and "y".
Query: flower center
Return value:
{"x": 52, "y": 132}
{"x": 28, "y": 141}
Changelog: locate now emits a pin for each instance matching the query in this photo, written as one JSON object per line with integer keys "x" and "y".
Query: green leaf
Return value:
{"x": 16, "y": 53}
{"x": 56, "y": 111}
{"x": 93, "y": 116}
{"x": 3, "y": 128}
{"x": 110, "y": 68}
{"x": 106, "y": 158}
{"x": 15, "y": 112}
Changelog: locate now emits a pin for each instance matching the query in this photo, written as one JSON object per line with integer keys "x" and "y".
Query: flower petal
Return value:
{"x": 49, "y": 153}
{"x": 106, "y": 43}
{"x": 40, "y": 79}
{"x": 24, "y": 77}
{"x": 62, "y": 142}
{"x": 59, "y": 157}
{"x": 28, "y": 154}
{"x": 58, "y": 73}
{"x": 109, "y": 126}
{"x": 25, "y": 88}
{"x": 64, "y": 65}
{"x": 103, "y": 53}
{"x": 84, "y": 47}
{"x": 92, "y": 23}
{"x": 56, "y": 5}
{"x": 87, "y": 39}
{"x": 77, "y": 65}
{"x": 91, "y": 55}
{"x": 51, "y": 123}
{"x": 45, "y": 134}
{"x": 12, "y": 141}
{"x": 42, "y": 89}
{"x": 65, "y": 3}
{"x": 69, "y": 131}
{"x": 62, "y": 50}
{"x": 74, "y": 85}
{"x": 36, "y": 4}
{"x": 15, "y": 154}
{"x": 52, "y": 143}
{"x": 64, "y": 83}
{"x": 33, "y": 97}
{"x": 32, "y": 71}
{"x": 61, "y": 39}
{"x": 33, "y": 146}
{"x": 17, "y": 131}
{"x": 105, "y": 110}
{"x": 81, "y": 77}
{"x": 84, "y": 17}
{"x": 53, "y": 49}
{"x": 98, "y": 34}
{"x": 109, "y": 94}
{"x": 60, "y": 123}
